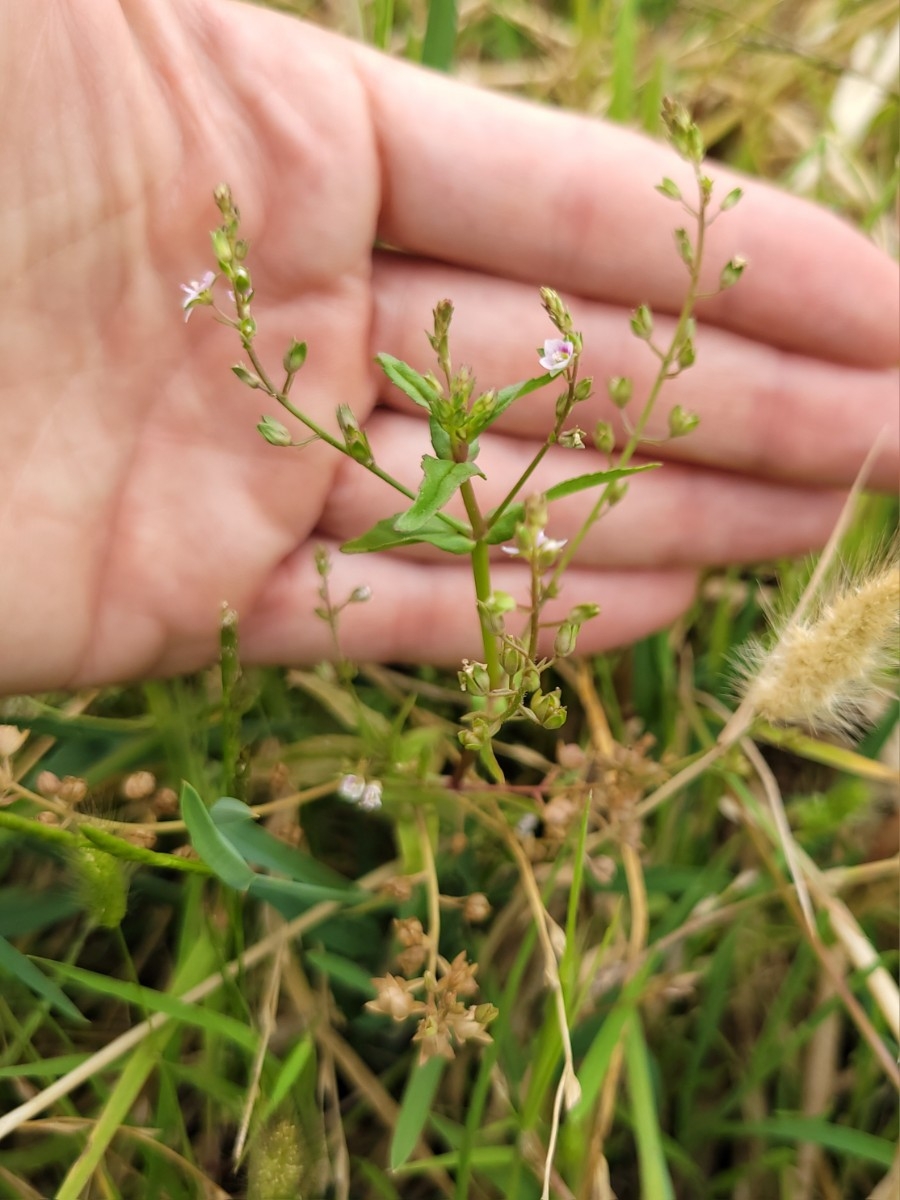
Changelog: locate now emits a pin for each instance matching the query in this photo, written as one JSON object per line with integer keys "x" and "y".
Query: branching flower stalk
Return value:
{"x": 506, "y": 685}
{"x": 680, "y": 353}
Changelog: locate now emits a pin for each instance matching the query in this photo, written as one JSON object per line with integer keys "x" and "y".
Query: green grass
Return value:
{"x": 716, "y": 1053}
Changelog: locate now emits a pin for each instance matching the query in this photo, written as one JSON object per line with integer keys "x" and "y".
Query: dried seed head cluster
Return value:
{"x": 827, "y": 671}
{"x": 445, "y": 1022}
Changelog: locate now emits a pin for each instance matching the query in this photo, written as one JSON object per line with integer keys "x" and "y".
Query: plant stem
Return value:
{"x": 663, "y": 374}
{"x": 551, "y": 440}
{"x": 330, "y": 440}
{"x": 481, "y": 573}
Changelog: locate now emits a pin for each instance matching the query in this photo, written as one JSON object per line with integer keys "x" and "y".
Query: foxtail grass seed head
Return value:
{"x": 102, "y": 885}
{"x": 826, "y": 672}
{"x": 276, "y": 1163}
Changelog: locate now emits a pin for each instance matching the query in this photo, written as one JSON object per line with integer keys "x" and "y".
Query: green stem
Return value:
{"x": 532, "y": 466}
{"x": 481, "y": 573}
{"x": 330, "y": 440}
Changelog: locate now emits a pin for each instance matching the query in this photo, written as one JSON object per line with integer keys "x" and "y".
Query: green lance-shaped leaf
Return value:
{"x": 383, "y": 536}
{"x": 211, "y": 844}
{"x": 409, "y": 381}
{"x": 440, "y": 479}
{"x": 415, "y": 1108}
{"x": 504, "y": 398}
{"x": 13, "y": 962}
{"x": 597, "y": 478}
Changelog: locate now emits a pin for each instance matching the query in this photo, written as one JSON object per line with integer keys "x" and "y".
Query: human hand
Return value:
{"x": 137, "y": 496}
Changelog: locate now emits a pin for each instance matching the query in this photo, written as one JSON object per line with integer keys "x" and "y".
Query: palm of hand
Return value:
{"x": 138, "y": 497}
{"x": 147, "y": 495}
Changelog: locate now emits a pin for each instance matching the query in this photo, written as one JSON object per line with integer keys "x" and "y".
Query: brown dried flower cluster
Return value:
{"x": 445, "y": 1021}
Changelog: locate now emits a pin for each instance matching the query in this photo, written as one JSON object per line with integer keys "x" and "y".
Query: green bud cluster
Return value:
{"x": 683, "y": 133}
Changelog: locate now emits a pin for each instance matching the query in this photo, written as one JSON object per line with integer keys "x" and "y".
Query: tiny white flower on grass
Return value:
{"x": 357, "y": 790}
{"x": 351, "y": 788}
{"x": 557, "y": 355}
{"x": 197, "y": 292}
{"x": 370, "y": 800}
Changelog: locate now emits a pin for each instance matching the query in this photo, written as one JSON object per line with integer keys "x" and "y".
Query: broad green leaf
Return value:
{"x": 255, "y": 844}
{"x": 14, "y": 963}
{"x": 291, "y": 898}
{"x": 409, "y": 381}
{"x": 383, "y": 536}
{"x": 440, "y": 479}
{"x": 582, "y": 482}
{"x": 508, "y": 395}
{"x": 212, "y": 846}
{"x": 415, "y": 1106}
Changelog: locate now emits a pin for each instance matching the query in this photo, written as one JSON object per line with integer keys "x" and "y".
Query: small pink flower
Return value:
{"x": 197, "y": 292}
{"x": 557, "y": 355}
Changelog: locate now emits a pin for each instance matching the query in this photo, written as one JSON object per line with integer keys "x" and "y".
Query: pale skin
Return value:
{"x": 137, "y": 496}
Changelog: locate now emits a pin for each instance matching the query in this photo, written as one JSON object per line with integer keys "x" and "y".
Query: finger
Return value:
{"x": 558, "y": 199}
{"x": 426, "y": 613}
{"x": 674, "y": 516}
{"x": 762, "y": 411}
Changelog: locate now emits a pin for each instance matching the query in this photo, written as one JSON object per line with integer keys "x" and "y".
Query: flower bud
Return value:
{"x": 731, "y": 272}
{"x": 604, "y": 437}
{"x": 566, "y": 637}
{"x": 731, "y": 199}
{"x": 531, "y": 679}
{"x": 294, "y": 357}
{"x": 620, "y": 390}
{"x": 241, "y": 280}
{"x": 548, "y": 708}
{"x": 474, "y": 678}
{"x": 476, "y": 735}
{"x": 274, "y": 432}
{"x": 642, "y": 323}
{"x": 247, "y": 330}
{"x": 556, "y": 310}
{"x": 615, "y": 492}
{"x": 354, "y": 439}
{"x": 582, "y": 389}
{"x": 687, "y": 354}
{"x": 510, "y": 658}
{"x": 681, "y": 422}
{"x": 245, "y": 376}
{"x": 221, "y": 244}
{"x": 670, "y": 189}
{"x": 684, "y": 247}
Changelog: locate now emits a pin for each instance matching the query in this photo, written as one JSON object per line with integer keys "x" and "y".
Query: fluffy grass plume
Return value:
{"x": 826, "y": 671}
